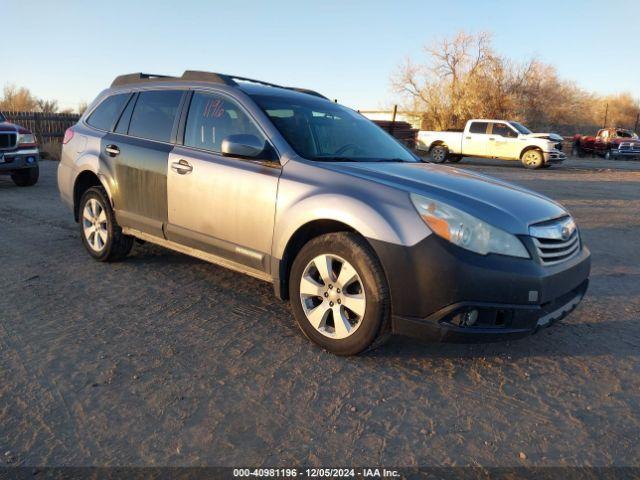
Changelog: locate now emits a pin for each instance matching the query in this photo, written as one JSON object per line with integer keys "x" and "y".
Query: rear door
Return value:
{"x": 137, "y": 153}
{"x": 222, "y": 205}
{"x": 474, "y": 143}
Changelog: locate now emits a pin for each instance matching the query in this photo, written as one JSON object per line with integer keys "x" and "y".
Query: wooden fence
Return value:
{"x": 47, "y": 127}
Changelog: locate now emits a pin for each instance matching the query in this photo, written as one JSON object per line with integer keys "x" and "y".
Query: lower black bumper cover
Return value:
{"x": 12, "y": 161}
{"x": 434, "y": 284}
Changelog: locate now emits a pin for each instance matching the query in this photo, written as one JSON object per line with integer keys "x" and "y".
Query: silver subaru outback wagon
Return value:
{"x": 282, "y": 184}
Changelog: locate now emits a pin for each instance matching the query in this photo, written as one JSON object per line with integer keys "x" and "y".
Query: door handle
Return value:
{"x": 492, "y": 139}
{"x": 181, "y": 167}
{"x": 112, "y": 150}
{"x": 467, "y": 138}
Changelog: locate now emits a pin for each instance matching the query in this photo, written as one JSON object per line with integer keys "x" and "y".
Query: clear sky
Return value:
{"x": 70, "y": 50}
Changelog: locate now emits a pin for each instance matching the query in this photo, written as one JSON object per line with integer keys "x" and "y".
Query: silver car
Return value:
{"x": 282, "y": 184}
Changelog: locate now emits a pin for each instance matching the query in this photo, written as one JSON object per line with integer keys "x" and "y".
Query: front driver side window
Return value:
{"x": 503, "y": 130}
{"x": 212, "y": 118}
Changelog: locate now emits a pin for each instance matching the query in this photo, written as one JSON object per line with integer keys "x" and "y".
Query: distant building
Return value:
{"x": 413, "y": 118}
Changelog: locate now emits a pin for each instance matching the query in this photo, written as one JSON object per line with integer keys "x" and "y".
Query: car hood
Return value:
{"x": 546, "y": 136}
{"x": 501, "y": 204}
{"x": 12, "y": 127}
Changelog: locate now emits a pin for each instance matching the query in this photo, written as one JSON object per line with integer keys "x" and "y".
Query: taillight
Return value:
{"x": 68, "y": 135}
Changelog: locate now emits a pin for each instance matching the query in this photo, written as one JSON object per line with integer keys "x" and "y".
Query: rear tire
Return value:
{"x": 101, "y": 235}
{"x": 337, "y": 276}
{"x": 532, "y": 159}
{"x": 26, "y": 177}
{"x": 438, "y": 154}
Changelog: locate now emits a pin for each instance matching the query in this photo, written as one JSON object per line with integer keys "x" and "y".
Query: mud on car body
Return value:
{"x": 282, "y": 184}
{"x": 18, "y": 153}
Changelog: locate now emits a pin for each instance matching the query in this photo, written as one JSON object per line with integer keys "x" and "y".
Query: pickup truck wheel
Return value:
{"x": 339, "y": 294}
{"x": 26, "y": 177}
{"x": 101, "y": 235}
{"x": 532, "y": 159}
{"x": 439, "y": 154}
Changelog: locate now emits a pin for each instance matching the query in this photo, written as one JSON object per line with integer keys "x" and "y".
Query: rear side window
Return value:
{"x": 105, "y": 115}
{"x": 478, "y": 127}
{"x": 154, "y": 114}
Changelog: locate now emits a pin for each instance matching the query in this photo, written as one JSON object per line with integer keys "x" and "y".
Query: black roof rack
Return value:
{"x": 198, "y": 76}
{"x": 137, "y": 78}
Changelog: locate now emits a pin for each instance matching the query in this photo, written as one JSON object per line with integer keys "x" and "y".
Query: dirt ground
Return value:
{"x": 166, "y": 360}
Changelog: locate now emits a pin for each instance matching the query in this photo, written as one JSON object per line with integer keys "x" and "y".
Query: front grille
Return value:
{"x": 629, "y": 146}
{"x": 555, "y": 240}
{"x": 8, "y": 141}
{"x": 556, "y": 251}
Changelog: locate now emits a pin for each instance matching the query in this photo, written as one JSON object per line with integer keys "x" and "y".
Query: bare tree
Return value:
{"x": 47, "y": 106}
{"x": 17, "y": 99}
{"x": 462, "y": 77}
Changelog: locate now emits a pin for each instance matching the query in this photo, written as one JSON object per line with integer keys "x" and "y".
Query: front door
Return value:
{"x": 503, "y": 141}
{"x": 218, "y": 204}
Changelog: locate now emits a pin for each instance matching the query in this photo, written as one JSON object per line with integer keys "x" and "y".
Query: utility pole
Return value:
{"x": 606, "y": 113}
{"x": 393, "y": 119}
{"x": 635, "y": 129}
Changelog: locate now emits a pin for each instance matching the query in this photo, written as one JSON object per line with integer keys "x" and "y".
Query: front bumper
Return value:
{"x": 625, "y": 152}
{"x": 18, "y": 159}
{"x": 435, "y": 284}
{"x": 555, "y": 156}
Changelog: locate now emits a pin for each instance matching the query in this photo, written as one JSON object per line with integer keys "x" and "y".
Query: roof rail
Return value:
{"x": 198, "y": 76}
{"x": 137, "y": 78}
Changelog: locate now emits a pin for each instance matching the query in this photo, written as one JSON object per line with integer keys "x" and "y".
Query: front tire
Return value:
{"x": 339, "y": 294}
{"x": 26, "y": 177}
{"x": 101, "y": 235}
{"x": 532, "y": 159}
{"x": 438, "y": 154}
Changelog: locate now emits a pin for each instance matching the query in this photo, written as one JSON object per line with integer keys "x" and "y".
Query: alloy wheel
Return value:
{"x": 332, "y": 296}
{"x": 94, "y": 225}
{"x": 532, "y": 158}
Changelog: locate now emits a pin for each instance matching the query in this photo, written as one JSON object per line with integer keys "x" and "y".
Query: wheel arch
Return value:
{"x": 84, "y": 181}
{"x": 304, "y": 234}
{"x": 438, "y": 143}
{"x": 528, "y": 148}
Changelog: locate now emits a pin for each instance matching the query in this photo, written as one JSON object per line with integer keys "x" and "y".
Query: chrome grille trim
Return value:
{"x": 550, "y": 246}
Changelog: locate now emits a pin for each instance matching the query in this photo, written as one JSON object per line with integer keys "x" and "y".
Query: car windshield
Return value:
{"x": 627, "y": 134}
{"x": 320, "y": 130}
{"x": 520, "y": 128}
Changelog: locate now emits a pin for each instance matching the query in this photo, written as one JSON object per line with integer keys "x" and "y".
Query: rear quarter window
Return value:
{"x": 106, "y": 114}
{"x": 154, "y": 114}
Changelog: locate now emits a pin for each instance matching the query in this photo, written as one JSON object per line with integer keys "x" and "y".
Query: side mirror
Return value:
{"x": 242, "y": 145}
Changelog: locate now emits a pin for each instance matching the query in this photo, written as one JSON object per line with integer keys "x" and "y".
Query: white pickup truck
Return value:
{"x": 500, "y": 139}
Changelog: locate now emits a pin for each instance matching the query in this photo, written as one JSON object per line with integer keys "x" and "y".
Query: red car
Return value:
{"x": 18, "y": 153}
{"x": 609, "y": 143}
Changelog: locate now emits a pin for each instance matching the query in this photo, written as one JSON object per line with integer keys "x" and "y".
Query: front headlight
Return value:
{"x": 26, "y": 139}
{"x": 465, "y": 230}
